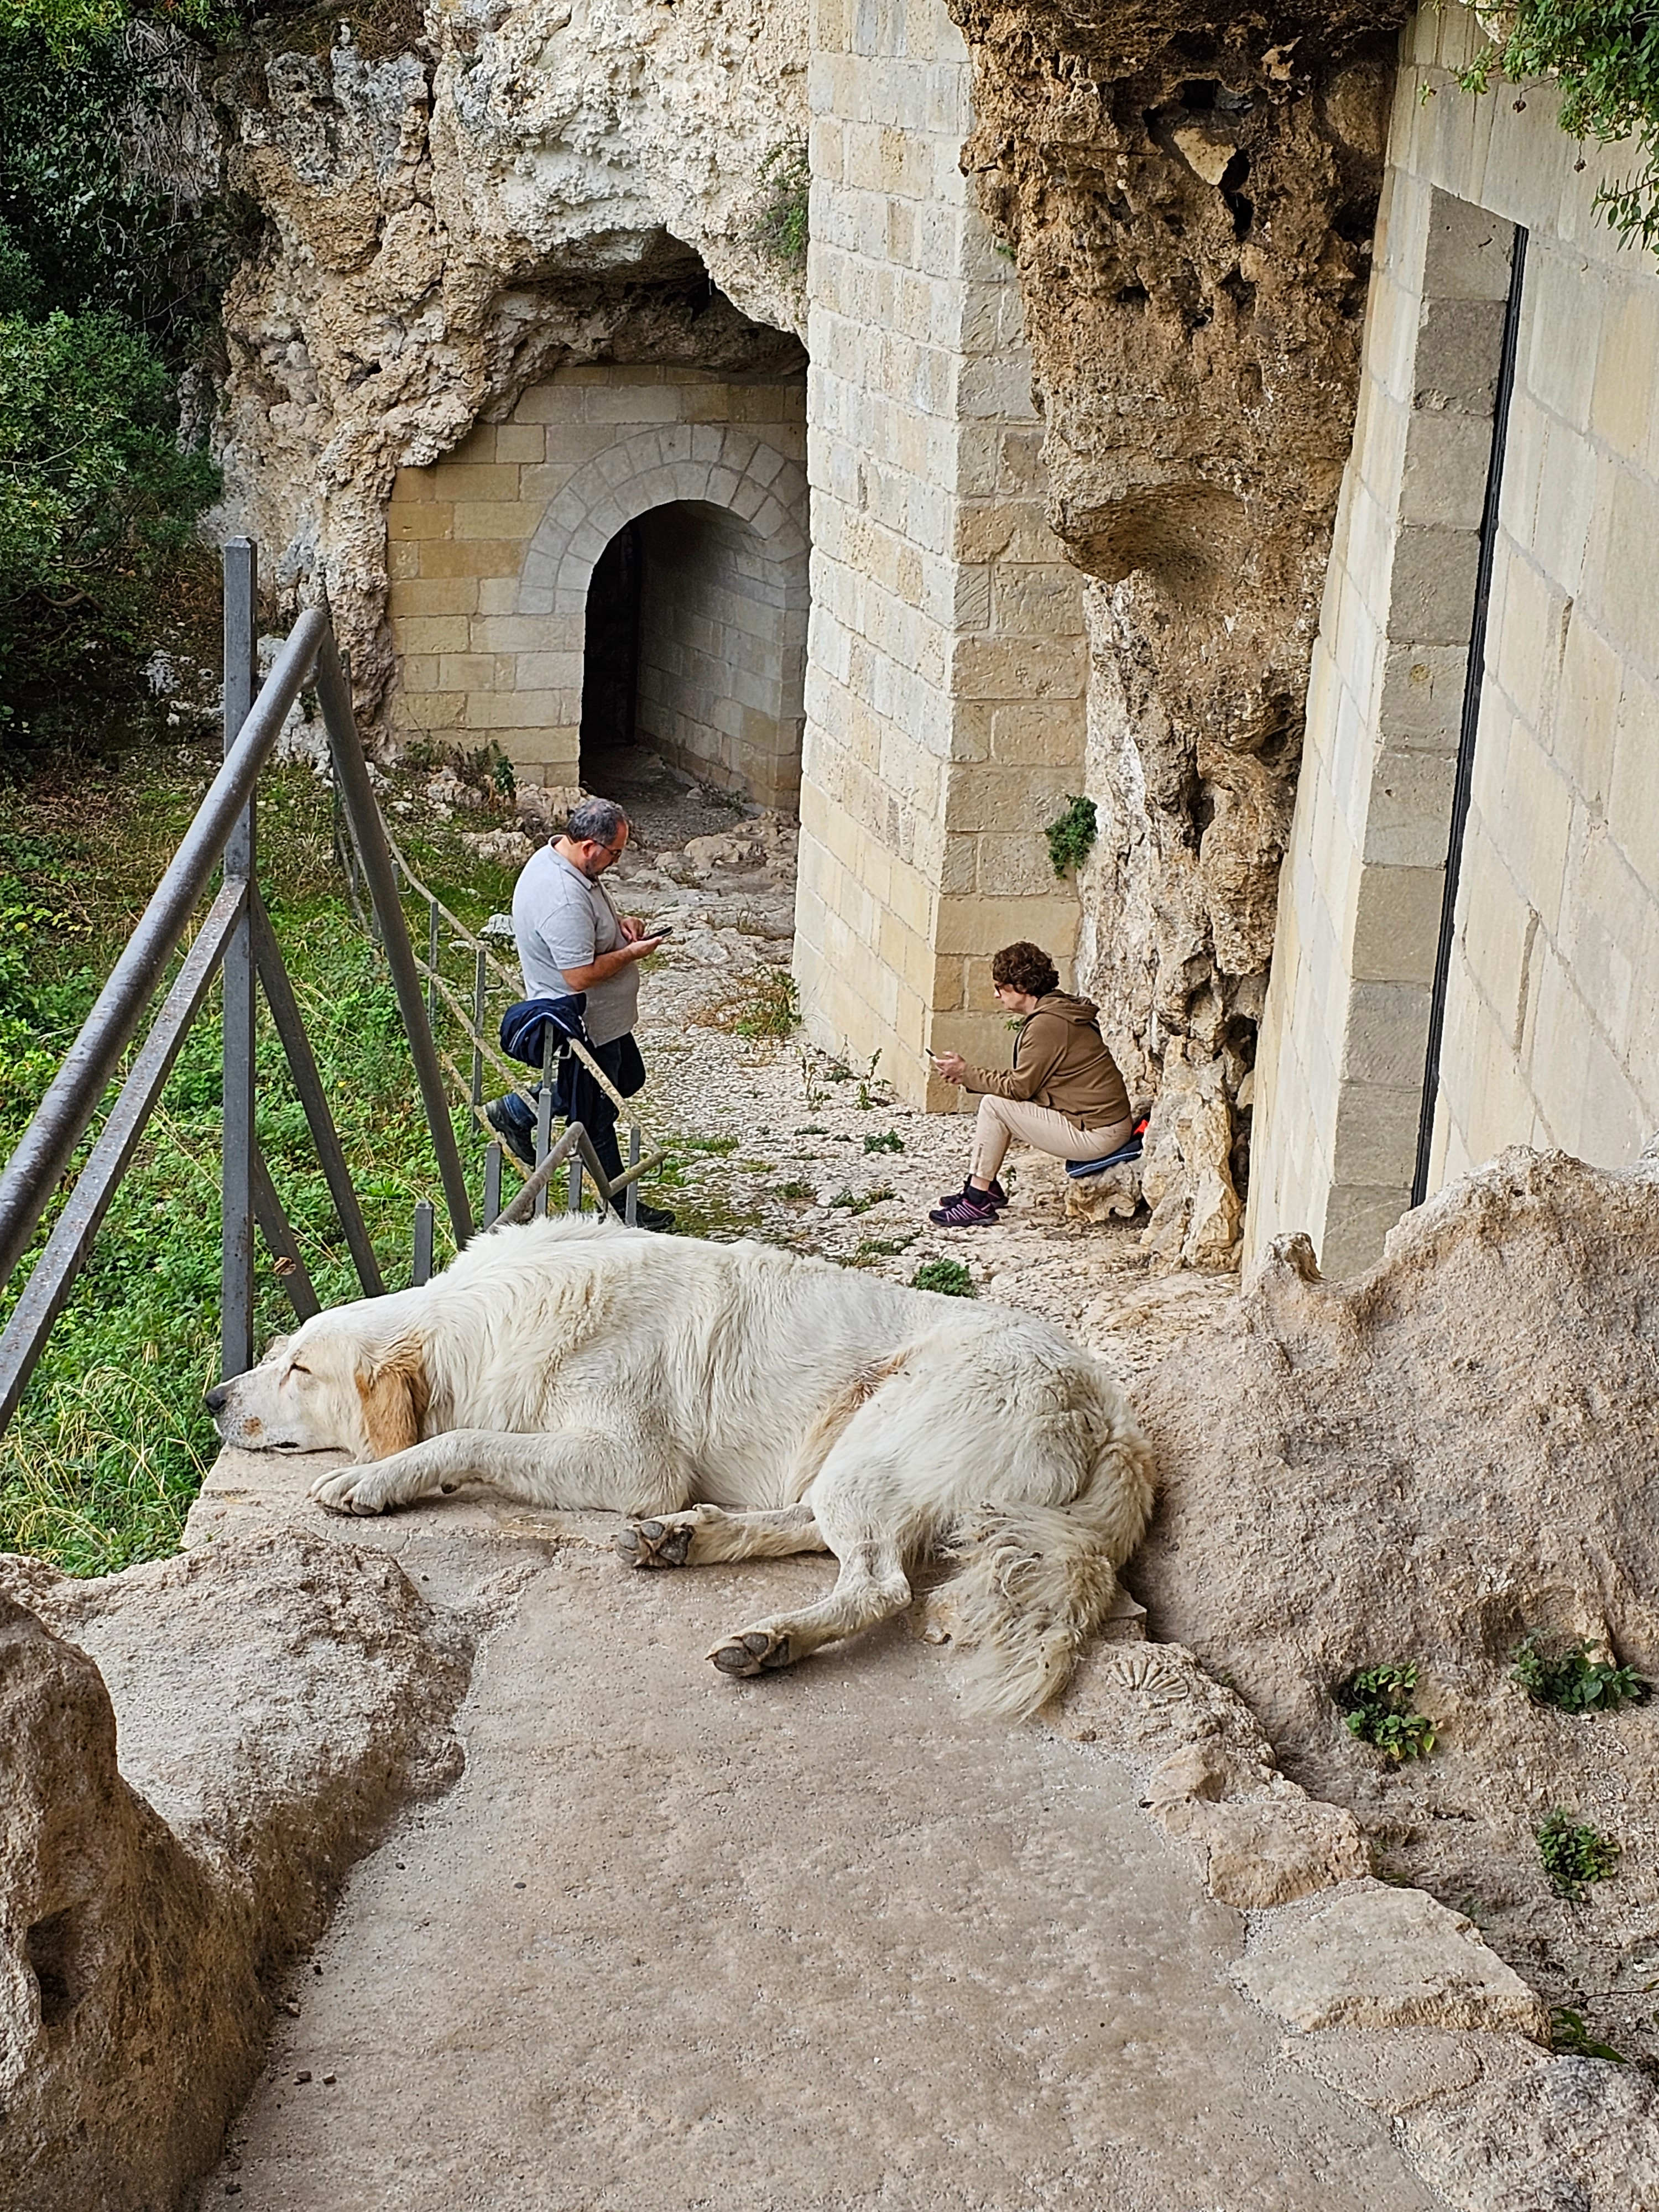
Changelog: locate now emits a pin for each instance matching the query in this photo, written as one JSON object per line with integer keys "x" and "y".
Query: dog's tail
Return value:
{"x": 1033, "y": 1583}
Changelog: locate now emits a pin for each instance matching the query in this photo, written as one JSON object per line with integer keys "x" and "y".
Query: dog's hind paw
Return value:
{"x": 654, "y": 1543}
{"x": 756, "y": 1651}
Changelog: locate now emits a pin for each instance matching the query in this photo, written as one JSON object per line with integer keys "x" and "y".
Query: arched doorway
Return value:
{"x": 696, "y": 648}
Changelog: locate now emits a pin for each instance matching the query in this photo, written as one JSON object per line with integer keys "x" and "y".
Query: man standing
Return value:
{"x": 571, "y": 938}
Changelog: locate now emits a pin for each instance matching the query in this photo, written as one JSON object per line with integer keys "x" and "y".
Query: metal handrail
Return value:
{"x": 236, "y": 939}
{"x": 60, "y": 1121}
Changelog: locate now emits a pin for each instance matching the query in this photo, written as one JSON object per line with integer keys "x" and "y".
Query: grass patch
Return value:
{"x": 111, "y": 1442}
{"x": 853, "y": 1204}
{"x": 882, "y": 1248}
{"x": 889, "y": 1142}
{"x": 949, "y": 1278}
{"x": 773, "y": 1008}
{"x": 795, "y": 1191}
{"x": 1574, "y": 1682}
{"x": 1575, "y": 1854}
{"x": 1375, "y": 1702}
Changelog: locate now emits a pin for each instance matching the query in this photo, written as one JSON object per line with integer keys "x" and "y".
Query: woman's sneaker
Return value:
{"x": 969, "y": 1209}
{"x": 996, "y": 1195}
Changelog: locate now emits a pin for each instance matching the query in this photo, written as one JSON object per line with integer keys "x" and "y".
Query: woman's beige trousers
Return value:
{"x": 1003, "y": 1122}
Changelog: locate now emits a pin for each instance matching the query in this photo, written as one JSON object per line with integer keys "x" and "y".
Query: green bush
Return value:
{"x": 1375, "y": 1702}
{"x": 1575, "y": 1854}
{"x": 949, "y": 1278}
{"x": 1573, "y": 1682}
{"x": 95, "y": 496}
{"x": 1071, "y": 835}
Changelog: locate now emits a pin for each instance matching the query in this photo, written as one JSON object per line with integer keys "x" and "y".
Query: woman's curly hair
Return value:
{"x": 1025, "y": 967}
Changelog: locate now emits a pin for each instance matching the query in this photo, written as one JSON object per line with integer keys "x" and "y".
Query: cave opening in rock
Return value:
{"x": 696, "y": 650}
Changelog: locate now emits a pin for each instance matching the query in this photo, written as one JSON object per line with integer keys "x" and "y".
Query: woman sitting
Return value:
{"x": 1063, "y": 1094}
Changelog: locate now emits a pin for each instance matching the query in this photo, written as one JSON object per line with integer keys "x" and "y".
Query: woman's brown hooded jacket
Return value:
{"x": 1060, "y": 1060}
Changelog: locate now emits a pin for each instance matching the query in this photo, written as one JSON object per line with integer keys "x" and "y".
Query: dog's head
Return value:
{"x": 329, "y": 1387}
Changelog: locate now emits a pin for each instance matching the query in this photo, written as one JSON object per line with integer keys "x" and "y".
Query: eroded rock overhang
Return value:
{"x": 1189, "y": 195}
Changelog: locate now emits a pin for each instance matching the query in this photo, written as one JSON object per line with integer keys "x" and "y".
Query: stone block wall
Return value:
{"x": 492, "y": 547}
{"x": 722, "y": 654}
{"x": 1551, "y": 1027}
{"x": 947, "y": 665}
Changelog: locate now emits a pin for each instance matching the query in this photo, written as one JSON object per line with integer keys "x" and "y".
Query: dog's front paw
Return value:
{"x": 755, "y": 1651}
{"x": 351, "y": 1490}
{"x": 654, "y": 1543}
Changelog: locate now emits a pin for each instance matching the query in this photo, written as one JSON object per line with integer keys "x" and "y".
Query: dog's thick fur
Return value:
{"x": 738, "y": 1402}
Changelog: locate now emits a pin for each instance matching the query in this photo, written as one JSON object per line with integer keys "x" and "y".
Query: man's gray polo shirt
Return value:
{"x": 562, "y": 920}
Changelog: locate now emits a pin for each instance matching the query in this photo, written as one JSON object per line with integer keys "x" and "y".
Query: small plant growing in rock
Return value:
{"x": 1574, "y": 1682}
{"x": 785, "y": 175}
{"x": 795, "y": 1191}
{"x": 1071, "y": 835}
{"x": 889, "y": 1142}
{"x": 855, "y": 1204}
{"x": 1375, "y": 1702}
{"x": 1571, "y": 2038}
{"x": 1575, "y": 1854}
{"x": 773, "y": 1011}
{"x": 948, "y": 1277}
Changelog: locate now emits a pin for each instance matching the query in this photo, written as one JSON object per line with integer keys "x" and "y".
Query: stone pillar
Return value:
{"x": 946, "y": 667}
{"x": 1340, "y": 1069}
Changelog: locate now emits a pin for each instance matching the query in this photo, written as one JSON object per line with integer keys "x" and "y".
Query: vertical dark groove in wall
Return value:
{"x": 1473, "y": 681}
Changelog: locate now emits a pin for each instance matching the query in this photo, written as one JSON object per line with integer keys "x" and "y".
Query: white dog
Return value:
{"x": 740, "y": 1403}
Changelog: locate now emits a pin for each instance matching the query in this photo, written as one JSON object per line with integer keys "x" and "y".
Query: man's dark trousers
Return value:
{"x": 578, "y": 1097}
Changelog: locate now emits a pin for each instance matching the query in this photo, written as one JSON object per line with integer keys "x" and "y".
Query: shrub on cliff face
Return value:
{"x": 107, "y": 292}
{"x": 1604, "y": 57}
{"x": 782, "y": 226}
{"x": 95, "y": 495}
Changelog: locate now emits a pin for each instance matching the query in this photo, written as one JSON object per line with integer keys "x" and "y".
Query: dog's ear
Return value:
{"x": 394, "y": 1394}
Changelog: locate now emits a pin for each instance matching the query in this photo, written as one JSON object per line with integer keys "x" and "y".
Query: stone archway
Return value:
{"x": 493, "y": 547}
{"x": 720, "y": 644}
{"x": 710, "y": 464}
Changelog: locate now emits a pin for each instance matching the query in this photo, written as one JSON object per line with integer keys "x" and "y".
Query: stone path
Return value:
{"x": 819, "y": 1940}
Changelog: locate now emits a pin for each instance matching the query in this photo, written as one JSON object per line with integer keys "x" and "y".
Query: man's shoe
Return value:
{"x": 519, "y": 1140}
{"x": 659, "y": 1217}
{"x": 996, "y": 1194}
{"x": 967, "y": 1210}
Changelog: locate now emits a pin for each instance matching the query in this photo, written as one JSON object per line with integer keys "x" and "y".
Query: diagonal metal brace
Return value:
{"x": 47, "y": 1290}
{"x": 281, "y": 1241}
{"x": 308, "y": 1082}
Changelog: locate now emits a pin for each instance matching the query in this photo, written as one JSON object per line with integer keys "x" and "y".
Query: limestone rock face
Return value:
{"x": 1453, "y": 1451}
{"x": 1577, "y": 2132}
{"x": 1190, "y": 195}
{"x": 520, "y": 185}
{"x": 1385, "y": 1957}
{"x": 277, "y": 1697}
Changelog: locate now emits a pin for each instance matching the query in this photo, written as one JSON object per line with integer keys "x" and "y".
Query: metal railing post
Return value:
{"x": 423, "y": 1225}
{"x": 432, "y": 962}
{"x": 363, "y": 816}
{"x": 544, "y": 1111}
{"x": 492, "y": 1189}
{"x": 631, "y": 1196}
{"x": 477, "y": 1028}
{"x": 237, "y": 1217}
